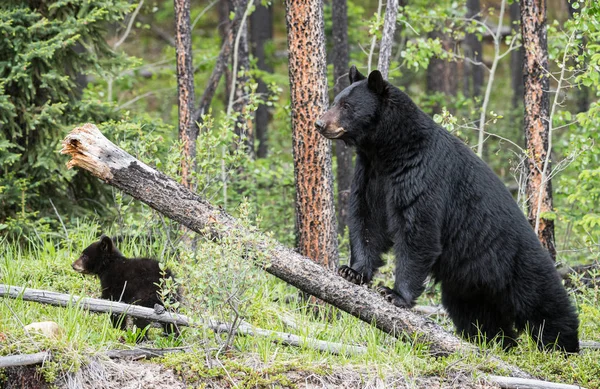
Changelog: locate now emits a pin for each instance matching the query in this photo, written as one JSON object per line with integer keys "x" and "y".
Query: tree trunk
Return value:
{"x": 241, "y": 62}
{"x": 221, "y": 64}
{"x": 516, "y": 58}
{"x": 473, "y": 50}
{"x": 188, "y": 131}
{"x": 92, "y": 304}
{"x": 536, "y": 120}
{"x": 343, "y": 153}
{"x": 261, "y": 31}
{"x": 387, "y": 39}
{"x": 315, "y": 212}
{"x": 581, "y": 92}
{"x": 441, "y": 74}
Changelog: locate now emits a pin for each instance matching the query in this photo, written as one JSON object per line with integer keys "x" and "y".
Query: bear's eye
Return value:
{"x": 345, "y": 105}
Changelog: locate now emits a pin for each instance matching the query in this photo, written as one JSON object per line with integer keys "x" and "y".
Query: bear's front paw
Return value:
{"x": 159, "y": 309}
{"x": 393, "y": 297}
{"x": 352, "y": 275}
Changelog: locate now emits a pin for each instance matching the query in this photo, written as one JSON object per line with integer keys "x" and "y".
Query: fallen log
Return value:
{"x": 90, "y": 150}
{"x": 291, "y": 339}
{"x": 24, "y": 359}
{"x": 92, "y": 304}
{"x": 107, "y": 306}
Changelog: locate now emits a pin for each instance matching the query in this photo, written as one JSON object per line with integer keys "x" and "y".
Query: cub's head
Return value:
{"x": 355, "y": 110}
{"x": 96, "y": 256}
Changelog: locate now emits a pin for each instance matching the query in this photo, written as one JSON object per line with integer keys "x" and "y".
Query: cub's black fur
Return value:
{"x": 420, "y": 191}
{"x": 131, "y": 281}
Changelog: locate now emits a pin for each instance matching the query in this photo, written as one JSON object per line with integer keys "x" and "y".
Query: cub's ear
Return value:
{"x": 376, "y": 82}
{"x": 354, "y": 75}
{"x": 106, "y": 244}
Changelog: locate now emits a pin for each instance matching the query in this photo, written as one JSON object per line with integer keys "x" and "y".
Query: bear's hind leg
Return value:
{"x": 479, "y": 321}
{"x": 555, "y": 332}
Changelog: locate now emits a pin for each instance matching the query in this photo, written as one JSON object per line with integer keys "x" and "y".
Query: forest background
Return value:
{"x": 114, "y": 63}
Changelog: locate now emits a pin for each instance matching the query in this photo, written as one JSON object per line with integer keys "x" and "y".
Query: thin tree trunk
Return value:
{"x": 387, "y": 39}
{"x": 315, "y": 212}
{"x": 516, "y": 58}
{"x": 261, "y": 31}
{"x": 441, "y": 74}
{"x": 91, "y": 151}
{"x": 188, "y": 131}
{"x": 221, "y": 64}
{"x": 343, "y": 153}
{"x": 536, "y": 120}
{"x": 581, "y": 92}
{"x": 241, "y": 61}
{"x": 473, "y": 50}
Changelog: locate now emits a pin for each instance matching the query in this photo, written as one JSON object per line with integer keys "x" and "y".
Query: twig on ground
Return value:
{"x": 526, "y": 383}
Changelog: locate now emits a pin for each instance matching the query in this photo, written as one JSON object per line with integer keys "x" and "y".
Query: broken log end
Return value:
{"x": 86, "y": 145}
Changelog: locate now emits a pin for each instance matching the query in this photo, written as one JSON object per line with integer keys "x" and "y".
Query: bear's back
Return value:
{"x": 132, "y": 280}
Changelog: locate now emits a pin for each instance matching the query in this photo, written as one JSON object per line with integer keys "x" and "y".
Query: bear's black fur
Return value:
{"x": 421, "y": 191}
{"x": 131, "y": 281}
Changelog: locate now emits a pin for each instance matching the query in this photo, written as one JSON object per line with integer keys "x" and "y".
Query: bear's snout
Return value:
{"x": 78, "y": 266}
{"x": 320, "y": 125}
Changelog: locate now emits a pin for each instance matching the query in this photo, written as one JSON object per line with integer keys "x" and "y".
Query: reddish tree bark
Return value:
{"x": 343, "y": 153}
{"x": 188, "y": 131}
{"x": 536, "y": 120}
{"x": 315, "y": 213}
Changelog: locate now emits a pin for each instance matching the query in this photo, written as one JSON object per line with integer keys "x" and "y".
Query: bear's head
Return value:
{"x": 355, "y": 110}
{"x": 96, "y": 256}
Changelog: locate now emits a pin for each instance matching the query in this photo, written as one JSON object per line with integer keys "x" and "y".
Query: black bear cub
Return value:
{"x": 131, "y": 281}
{"x": 422, "y": 192}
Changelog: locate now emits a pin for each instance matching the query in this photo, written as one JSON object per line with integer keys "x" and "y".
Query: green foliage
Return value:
{"x": 44, "y": 47}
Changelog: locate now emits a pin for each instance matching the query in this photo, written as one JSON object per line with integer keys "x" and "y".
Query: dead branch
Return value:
{"x": 91, "y": 304}
{"x": 107, "y": 306}
{"x": 24, "y": 359}
{"x": 144, "y": 352}
{"x": 291, "y": 339}
{"x": 90, "y": 150}
{"x": 525, "y": 383}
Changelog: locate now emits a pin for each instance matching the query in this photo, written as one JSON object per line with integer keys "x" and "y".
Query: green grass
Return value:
{"x": 217, "y": 283}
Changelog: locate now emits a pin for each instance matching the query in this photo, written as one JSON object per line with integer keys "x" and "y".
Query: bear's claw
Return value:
{"x": 351, "y": 275}
{"x": 391, "y": 296}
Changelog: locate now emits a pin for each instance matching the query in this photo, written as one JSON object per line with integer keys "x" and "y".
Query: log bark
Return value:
{"x": 90, "y": 150}
{"x": 92, "y": 304}
{"x": 537, "y": 120}
{"x": 315, "y": 212}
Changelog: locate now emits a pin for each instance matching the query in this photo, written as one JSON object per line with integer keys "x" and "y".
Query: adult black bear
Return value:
{"x": 131, "y": 281}
{"x": 423, "y": 192}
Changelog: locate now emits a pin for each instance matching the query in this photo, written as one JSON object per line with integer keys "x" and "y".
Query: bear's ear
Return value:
{"x": 106, "y": 244}
{"x": 376, "y": 82}
{"x": 354, "y": 75}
